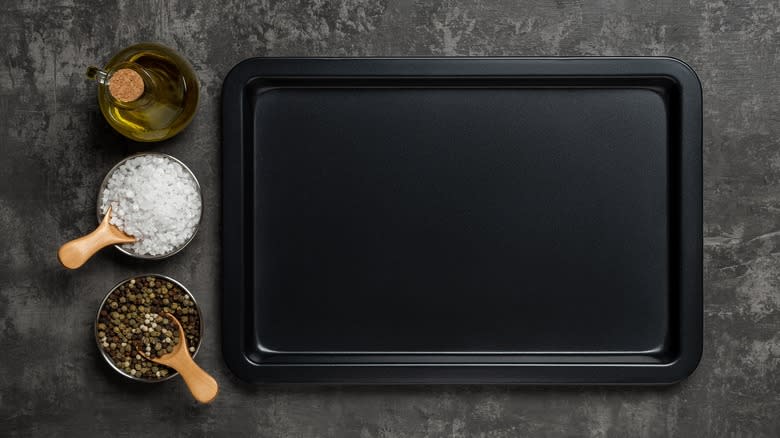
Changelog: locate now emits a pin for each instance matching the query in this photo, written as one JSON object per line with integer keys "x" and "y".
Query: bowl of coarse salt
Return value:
{"x": 154, "y": 198}
{"x": 149, "y": 206}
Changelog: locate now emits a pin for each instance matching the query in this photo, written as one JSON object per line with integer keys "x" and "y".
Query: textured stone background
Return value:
{"x": 55, "y": 148}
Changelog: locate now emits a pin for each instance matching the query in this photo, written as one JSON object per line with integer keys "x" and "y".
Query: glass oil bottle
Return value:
{"x": 147, "y": 92}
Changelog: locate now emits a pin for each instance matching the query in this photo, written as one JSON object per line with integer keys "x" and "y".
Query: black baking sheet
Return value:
{"x": 498, "y": 220}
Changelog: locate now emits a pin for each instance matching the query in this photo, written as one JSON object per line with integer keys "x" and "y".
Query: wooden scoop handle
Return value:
{"x": 75, "y": 253}
{"x": 201, "y": 385}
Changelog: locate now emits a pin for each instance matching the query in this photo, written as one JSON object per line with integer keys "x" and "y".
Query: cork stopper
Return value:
{"x": 126, "y": 85}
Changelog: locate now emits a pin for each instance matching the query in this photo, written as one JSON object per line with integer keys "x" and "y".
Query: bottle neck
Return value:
{"x": 128, "y": 85}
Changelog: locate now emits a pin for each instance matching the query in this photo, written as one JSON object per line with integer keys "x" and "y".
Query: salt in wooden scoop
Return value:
{"x": 75, "y": 253}
{"x": 201, "y": 385}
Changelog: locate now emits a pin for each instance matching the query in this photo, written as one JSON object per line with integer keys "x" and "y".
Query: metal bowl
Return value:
{"x": 106, "y": 355}
{"x": 105, "y": 183}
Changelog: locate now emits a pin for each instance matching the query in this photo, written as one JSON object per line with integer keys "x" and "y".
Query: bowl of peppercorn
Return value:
{"x": 132, "y": 318}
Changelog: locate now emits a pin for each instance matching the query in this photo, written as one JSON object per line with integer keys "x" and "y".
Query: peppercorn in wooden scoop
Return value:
{"x": 201, "y": 385}
{"x": 75, "y": 253}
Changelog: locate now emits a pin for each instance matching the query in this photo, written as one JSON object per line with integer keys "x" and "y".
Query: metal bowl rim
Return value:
{"x": 108, "y": 358}
{"x": 200, "y": 197}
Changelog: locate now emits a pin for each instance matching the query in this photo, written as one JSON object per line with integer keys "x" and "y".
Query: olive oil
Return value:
{"x": 154, "y": 94}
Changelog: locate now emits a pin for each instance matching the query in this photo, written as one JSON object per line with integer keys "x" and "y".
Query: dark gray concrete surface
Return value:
{"x": 55, "y": 148}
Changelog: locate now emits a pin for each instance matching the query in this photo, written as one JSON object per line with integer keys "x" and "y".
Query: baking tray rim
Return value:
{"x": 690, "y": 215}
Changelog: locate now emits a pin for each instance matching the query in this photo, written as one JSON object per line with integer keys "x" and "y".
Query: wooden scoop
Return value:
{"x": 202, "y": 386}
{"x": 76, "y": 252}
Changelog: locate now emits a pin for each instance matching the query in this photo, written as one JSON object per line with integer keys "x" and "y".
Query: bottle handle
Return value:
{"x": 97, "y": 74}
